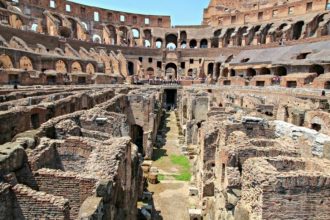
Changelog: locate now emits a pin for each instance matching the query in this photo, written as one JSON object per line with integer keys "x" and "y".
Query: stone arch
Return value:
{"x": 5, "y": 62}
{"x": 171, "y": 71}
{"x": 97, "y": 39}
{"x": 225, "y": 72}
{"x": 171, "y": 41}
{"x": 190, "y": 72}
{"x": 316, "y": 69}
{"x": 250, "y": 72}
{"x": 159, "y": 43}
{"x": 232, "y": 72}
{"x": 147, "y": 37}
{"x": 264, "y": 71}
{"x": 76, "y": 67}
{"x": 25, "y": 63}
{"x": 73, "y": 26}
{"x": 193, "y": 43}
{"x": 123, "y": 35}
{"x": 34, "y": 27}
{"x": 217, "y": 70}
{"x": 61, "y": 67}
{"x": 150, "y": 72}
{"x": 297, "y": 30}
{"x": 203, "y": 43}
{"x": 210, "y": 68}
{"x": 130, "y": 68}
{"x": 136, "y": 33}
{"x": 113, "y": 34}
{"x": 90, "y": 69}
{"x": 281, "y": 71}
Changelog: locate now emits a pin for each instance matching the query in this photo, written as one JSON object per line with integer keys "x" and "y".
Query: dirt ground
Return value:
{"x": 170, "y": 196}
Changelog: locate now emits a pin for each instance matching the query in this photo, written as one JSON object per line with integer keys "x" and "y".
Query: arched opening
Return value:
{"x": 297, "y": 30}
{"x": 150, "y": 72}
{"x": 215, "y": 39}
{"x": 73, "y": 26}
{"x": 316, "y": 69}
{"x": 97, "y": 39}
{"x": 217, "y": 70}
{"x": 25, "y": 63}
{"x": 34, "y": 27}
{"x": 183, "y": 44}
{"x": 316, "y": 127}
{"x": 123, "y": 34}
{"x": 136, "y": 33}
{"x": 60, "y": 66}
{"x": 250, "y": 72}
{"x": 210, "y": 68}
{"x": 171, "y": 41}
{"x": 90, "y": 69}
{"x": 130, "y": 68}
{"x": 190, "y": 72}
{"x": 183, "y": 35}
{"x": 232, "y": 72}
{"x": 193, "y": 43}
{"x": 147, "y": 43}
{"x": 147, "y": 38}
{"x": 137, "y": 138}
{"x": 281, "y": 71}
{"x": 5, "y": 62}
{"x": 203, "y": 43}
{"x": 225, "y": 72}
{"x": 264, "y": 71}
{"x": 113, "y": 34}
{"x": 171, "y": 71}
{"x": 159, "y": 43}
{"x": 76, "y": 67}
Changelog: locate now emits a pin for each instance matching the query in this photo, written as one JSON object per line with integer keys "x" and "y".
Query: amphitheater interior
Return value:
{"x": 107, "y": 114}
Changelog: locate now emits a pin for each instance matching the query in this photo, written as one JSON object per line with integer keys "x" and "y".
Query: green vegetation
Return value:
{"x": 161, "y": 177}
{"x": 184, "y": 164}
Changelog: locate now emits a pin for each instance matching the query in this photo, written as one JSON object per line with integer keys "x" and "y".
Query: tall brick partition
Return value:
{"x": 66, "y": 184}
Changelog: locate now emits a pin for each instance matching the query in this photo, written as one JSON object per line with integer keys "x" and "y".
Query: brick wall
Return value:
{"x": 66, "y": 184}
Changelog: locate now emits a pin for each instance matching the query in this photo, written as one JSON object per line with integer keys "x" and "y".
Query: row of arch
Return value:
{"x": 60, "y": 66}
{"x": 251, "y": 72}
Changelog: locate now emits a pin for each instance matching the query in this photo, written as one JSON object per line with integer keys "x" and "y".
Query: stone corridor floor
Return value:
{"x": 170, "y": 196}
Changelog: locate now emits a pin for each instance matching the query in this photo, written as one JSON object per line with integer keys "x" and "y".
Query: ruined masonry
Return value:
{"x": 113, "y": 115}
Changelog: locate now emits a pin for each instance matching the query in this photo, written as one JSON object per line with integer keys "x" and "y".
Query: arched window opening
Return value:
{"x": 250, "y": 72}
{"x": 171, "y": 71}
{"x": 130, "y": 68}
{"x": 136, "y": 33}
{"x": 210, "y": 68}
{"x": 316, "y": 69}
{"x": 171, "y": 41}
{"x": 232, "y": 72}
{"x": 264, "y": 71}
{"x": 203, "y": 43}
{"x": 159, "y": 43}
{"x": 193, "y": 43}
{"x": 297, "y": 30}
{"x": 97, "y": 39}
{"x": 281, "y": 71}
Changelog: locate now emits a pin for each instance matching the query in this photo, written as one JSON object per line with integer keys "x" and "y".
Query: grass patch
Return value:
{"x": 161, "y": 177}
{"x": 184, "y": 163}
{"x": 181, "y": 161}
{"x": 184, "y": 176}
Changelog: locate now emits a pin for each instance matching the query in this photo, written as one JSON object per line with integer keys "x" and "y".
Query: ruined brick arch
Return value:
{"x": 147, "y": 37}
{"x": 76, "y": 67}
{"x": 150, "y": 72}
{"x": 159, "y": 43}
{"x": 61, "y": 67}
{"x": 193, "y": 43}
{"x": 25, "y": 63}
{"x": 97, "y": 39}
{"x": 203, "y": 43}
{"x": 316, "y": 69}
{"x": 250, "y": 72}
{"x": 90, "y": 69}
{"x": 5, "y": 62}
{"x": 171, "y": 41}
{"x": 113, "y": 34}
{"x": 123, "y": 36}
{"x": 136, "y": 33}
{"x": 297, "y": 30}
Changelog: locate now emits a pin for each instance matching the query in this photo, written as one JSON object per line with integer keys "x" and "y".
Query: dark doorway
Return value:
{"x": 260, "y": 83}
{"x": 130, "y": 68}
{"x": 291, "y": 84}
{"x": 35, "y": 122}
{"x": 170, "y": 98}
{"x": 137, "y": 138}
{"x": 81, "y": 80}
{"x": 316, "y": 127}
{"x": 51, "y": 80}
